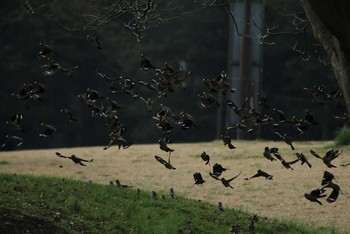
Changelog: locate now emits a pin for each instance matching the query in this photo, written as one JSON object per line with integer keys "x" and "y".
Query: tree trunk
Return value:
{"x": 330, "y": 20}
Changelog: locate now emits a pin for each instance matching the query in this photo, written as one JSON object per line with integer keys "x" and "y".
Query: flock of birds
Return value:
{"x": 166, "y": 80}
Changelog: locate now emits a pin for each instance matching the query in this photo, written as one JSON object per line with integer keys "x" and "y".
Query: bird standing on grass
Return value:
{"x": 172, "y": 193}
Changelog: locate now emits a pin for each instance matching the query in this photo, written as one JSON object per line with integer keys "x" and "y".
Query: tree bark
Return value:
{"x": 330, "y": 21}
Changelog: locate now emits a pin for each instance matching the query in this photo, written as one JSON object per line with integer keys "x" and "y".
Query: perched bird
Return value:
{"x": 301, "y": 157}
{"x": 111, "y": 183}
{"x": 93, "y": 41}
{"x": 267, "y": 154}
{"x": 286, "y": 138}
{"x": 119, "y": 185}
{"x": 220, "y": 207}
{"x": 15, "y": 139}
{"x": 172, "y": 193}
{"x": 165, "y": 163}
{"x": 226, "y": 183}
{"x": 153, "y": 195}
{"x": 227, "y": 141}
{"x": 328, "y": 157}
{"x": 75, "y": 159}
{"x": 205, "y": 157}
{"x": 47, "y": 130}
{"x": 69, "y": 114}
{"x": 198, "y": 179}
{"x": 260, "y": 173}
{"x": 314, "y": 195}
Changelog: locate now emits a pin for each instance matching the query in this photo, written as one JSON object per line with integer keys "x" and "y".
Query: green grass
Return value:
{"x": 78, "y": 207}
{"x": 343, "y": 137}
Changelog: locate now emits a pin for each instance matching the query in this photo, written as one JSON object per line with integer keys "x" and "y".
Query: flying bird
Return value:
{"x": 303, "y": 159}
{"x": 165, "y": 163}
{"x": 226, "y": 183}
{"x": 288, "y": 139}
{"x": 75, "y": 159}
{"x": 93, "y": 41}
{"x": 328, "y": 157}
{"x": 217, "y": 171}
{"x": 267, "y": 154}
{"x": 315, "y": 194}
{"x": 198, "y": 179}
{"x": 205, "y": 157}
{"x": 47, "y": 130}
{"x": 260, "y": 173}
{"x": 15, "y": 139}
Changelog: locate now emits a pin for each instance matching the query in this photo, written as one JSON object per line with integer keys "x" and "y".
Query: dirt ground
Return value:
{"x": 282, "y": 197}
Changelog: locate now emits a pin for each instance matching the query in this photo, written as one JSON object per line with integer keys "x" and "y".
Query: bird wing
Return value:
{"x": 229, "y": 180}
{"x": 278, "y": 134}
{"x": 60, "y": 155}
{"x": 315, "y": 154}
{"x": 161, "y": 160}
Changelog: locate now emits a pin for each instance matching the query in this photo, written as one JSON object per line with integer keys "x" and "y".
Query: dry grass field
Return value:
{"x": 280, "y": 198}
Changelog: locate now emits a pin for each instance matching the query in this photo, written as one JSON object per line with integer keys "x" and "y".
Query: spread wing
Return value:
{"x": 60, "y": 155}
{"x": 315, "y": 154}
{"x": 161, "y": 160}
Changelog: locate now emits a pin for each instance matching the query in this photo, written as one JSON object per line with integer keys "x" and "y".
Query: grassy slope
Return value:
{"x": 79, "y": 206}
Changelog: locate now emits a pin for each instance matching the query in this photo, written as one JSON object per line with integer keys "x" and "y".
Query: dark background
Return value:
{"x": 197, "y": 42}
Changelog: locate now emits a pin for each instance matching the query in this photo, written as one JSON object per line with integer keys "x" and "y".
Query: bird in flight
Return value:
{"x": 226, "y": 183}
{"x": 167, "y": 164}
{"x": 260, "y": 173}
{"x": 198, "y": 179}
{"x": 328, "y": 157}
{"x": 75, "y": 159}
{"x": 205, "y": 157}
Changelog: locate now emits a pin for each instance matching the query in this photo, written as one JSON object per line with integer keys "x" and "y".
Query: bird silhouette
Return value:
{"x": 47, "y": 130}
{"x": 172, "y": 193}
{"x": 69, "y": 114}
{"x": 220, "y": 207}
{"x": 260, "y": 173}
{"x": 267, "y": 154}
{"x": 119, "y": 185}
{"x": 303, "y": 159}
{"x": 15, "y": 139}
{"x": 335, "y": 192}
{"x": 288, "y": 139}
{"x": 166, "y": 164}
{"x": 315, "y": 194}
{"x": 328, "y": 157}
{"x": 327, "y": 177}
{"x": 205, "y": 157}
{"x": 15, "y": 122}
{"x": 226, "y": 183}
{"x": 227, "y": 141}
{"x": 198, "y": 179}
{"x": 217, "y": 171}
{"x": 75, "y": 159}
{"x": 145, "y": 63}
{"x": 153, "y": 195}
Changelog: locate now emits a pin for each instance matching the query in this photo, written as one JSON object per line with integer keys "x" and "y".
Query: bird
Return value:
{"x": 227, "y": 141}
{"x": 119, "y": 185}
{"x": 327, "y": 177}
{"x": 47, "y": 131}
{"x": 165, "y": 163}
{"x": 328, "y": 157}
{"x": 315, "y": 194}
{"x": 145, "y": 63}
{"x": 217, "y": 171}
{"x": 153, "y": 195}
{"x": 15, "y": 122}
{"x": 163, "y": 146}
{"x": 69, "y": 114}
{"x": 75, "y": 159}
{"x": 335, "y": 192}
{"x": 10, "y": 138}
{"x": 267, "y": 154}
{"x": 303, "y": 159}
{"x": 345, "y": 164}
{"x": 172, "y": 193}
{"x": 220, "y": 207}
{"x": 286, "y": 138}
{"x": 226, "y": 183}
{"x": 45, "y": 50}
{"x": 253, "y": 220}
{"x": 286, "y": 164}
{"x": 93, "y": 41}
{"x": 51, "y": 68}
{"x": 260, "y": 173}
{"x": 205, "y": 157}
{"x": 198, "y": 179}
{"x": 309, "y": 117}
